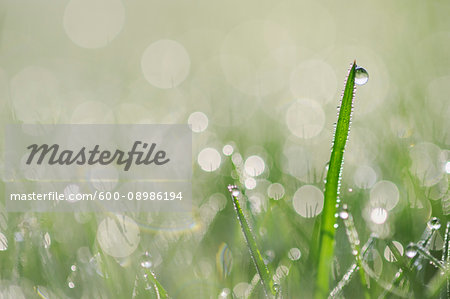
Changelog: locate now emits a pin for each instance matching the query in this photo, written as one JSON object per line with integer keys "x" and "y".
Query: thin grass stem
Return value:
{"x": 255, "y": 254}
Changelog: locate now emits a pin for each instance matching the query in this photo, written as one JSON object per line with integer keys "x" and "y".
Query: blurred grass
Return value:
{"x": 404, "y": 104}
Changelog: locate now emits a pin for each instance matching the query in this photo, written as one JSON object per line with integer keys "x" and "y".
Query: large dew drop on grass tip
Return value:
{"x": 361, "y": 76}
{"x": 434, "y": 223}
{"x": 146, "y": 261}
{"x": 234, "y": 190}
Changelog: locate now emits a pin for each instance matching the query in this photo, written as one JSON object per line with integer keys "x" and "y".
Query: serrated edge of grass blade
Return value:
{"x": 255, "y": 254}
{"x": 326, "y": 229}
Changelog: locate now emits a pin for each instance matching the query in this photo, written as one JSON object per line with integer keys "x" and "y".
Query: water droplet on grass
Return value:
{"x": 434, "y": 223}
{"x": 343, "y": 214}
{"x": 411, "y": 251}
{"x": 276, "y": 287}
{"x": 71, "y": 284}
{"x": 361, "y": 76}
{"x": 146, "y": 261}
{"x": 234, "y": 190}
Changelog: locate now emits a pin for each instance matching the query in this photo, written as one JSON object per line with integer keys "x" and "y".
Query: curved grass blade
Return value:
{"x": 261, "y": 267}
{"x": 326, "y": 229}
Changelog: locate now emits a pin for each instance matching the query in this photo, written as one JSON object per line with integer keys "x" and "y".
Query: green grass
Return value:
{"x": 326, "y": 228}
{"x": 185, "y": 253}
{"x": 261, "y": 268}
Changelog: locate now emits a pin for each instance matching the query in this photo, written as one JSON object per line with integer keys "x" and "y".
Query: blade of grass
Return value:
{"x": 446, "y": 256}
{"x": 326, "y": 229}
{"x": 353, "y": 238}
{"x": 151, "y": 277}
{"x": 261, "y": 268}
{"x": 404, "y": 270}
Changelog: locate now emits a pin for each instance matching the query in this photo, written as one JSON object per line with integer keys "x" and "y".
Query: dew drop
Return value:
{"x": 434, "y": 223}
{"x": 411, "y": 251}
{"x": 343, "y": 214}
{"x": 361, "y": 76}
{"x": 276, "y": 287}
{"x": 146, "y": 261}
{"x": 73, "y": 268}
{"x": 71, "y": 284}
{"x": 335, "y": 225}
{"x": 355, "y": 252}
{"x": 234, "y": 190}
{"x": 225, "y": 292}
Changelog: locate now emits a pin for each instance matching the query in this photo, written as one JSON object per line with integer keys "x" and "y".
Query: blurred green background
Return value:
{"x": 259, "y": 81}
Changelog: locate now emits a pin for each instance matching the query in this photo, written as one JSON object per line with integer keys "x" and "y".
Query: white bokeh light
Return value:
{"x": 198, "y": 121}
{"x": 71, "y": 191}
{"x": 294, "y": 254}
{"x": 93, "y": 23}
{"x": 308, "y": 201}
{"x": 3, "y": 242}
{"x": 305, "y": 118}
{"x": 275, "y": 191}
{"x": 365, "y": 177}
{"x": 118, "y": 236}
{"x": 385, "y": 195}
{"x": 240, "y": 290}
{"x": 250, "y": 183}
{"x": 388, "y": 255}
{"x": 209, "y": 159}
{"x": 165, "y": 64}
{"x": 227, "y": 150}
{"x": 427, "y": 163}
{"x": 254, "y": 166}
{"x": 378, "y": 215}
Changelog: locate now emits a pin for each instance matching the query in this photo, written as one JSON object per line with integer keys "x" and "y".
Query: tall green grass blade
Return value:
{"x": 328, "y": 220}
{"x": 160, "y": 291}
{"x": 255, "y": 254}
